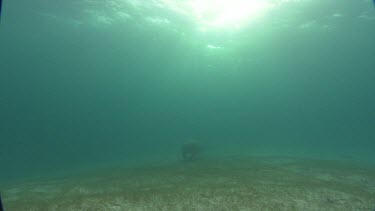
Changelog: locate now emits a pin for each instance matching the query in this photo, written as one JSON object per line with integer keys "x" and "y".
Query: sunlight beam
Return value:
{"x": 226, "y": 13}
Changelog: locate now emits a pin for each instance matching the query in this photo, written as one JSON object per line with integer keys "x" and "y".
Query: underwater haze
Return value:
{"x": 91, "y": 83}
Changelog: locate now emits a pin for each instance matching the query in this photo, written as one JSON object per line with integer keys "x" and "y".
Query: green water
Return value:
{"x": 94, "y": 83}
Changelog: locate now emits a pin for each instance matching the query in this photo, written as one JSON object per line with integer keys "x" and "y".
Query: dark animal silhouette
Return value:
{"x": 190, "y": 151}
{"x": 1, "y": 3}
{"x": 1, "y": 204}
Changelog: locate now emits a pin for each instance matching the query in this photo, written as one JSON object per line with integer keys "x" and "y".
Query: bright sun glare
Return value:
{"x": 210, "y": 14}
{"x": 223, "y": 13}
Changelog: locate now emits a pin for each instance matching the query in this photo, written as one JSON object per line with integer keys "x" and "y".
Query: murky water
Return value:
{"x": 91, "y": 85}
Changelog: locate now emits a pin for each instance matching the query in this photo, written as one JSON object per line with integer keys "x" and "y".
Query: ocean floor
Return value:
{"x": 232, "y": 183}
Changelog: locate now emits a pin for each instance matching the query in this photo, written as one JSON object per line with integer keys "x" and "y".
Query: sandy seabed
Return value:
{"x": 233, "y": 183}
